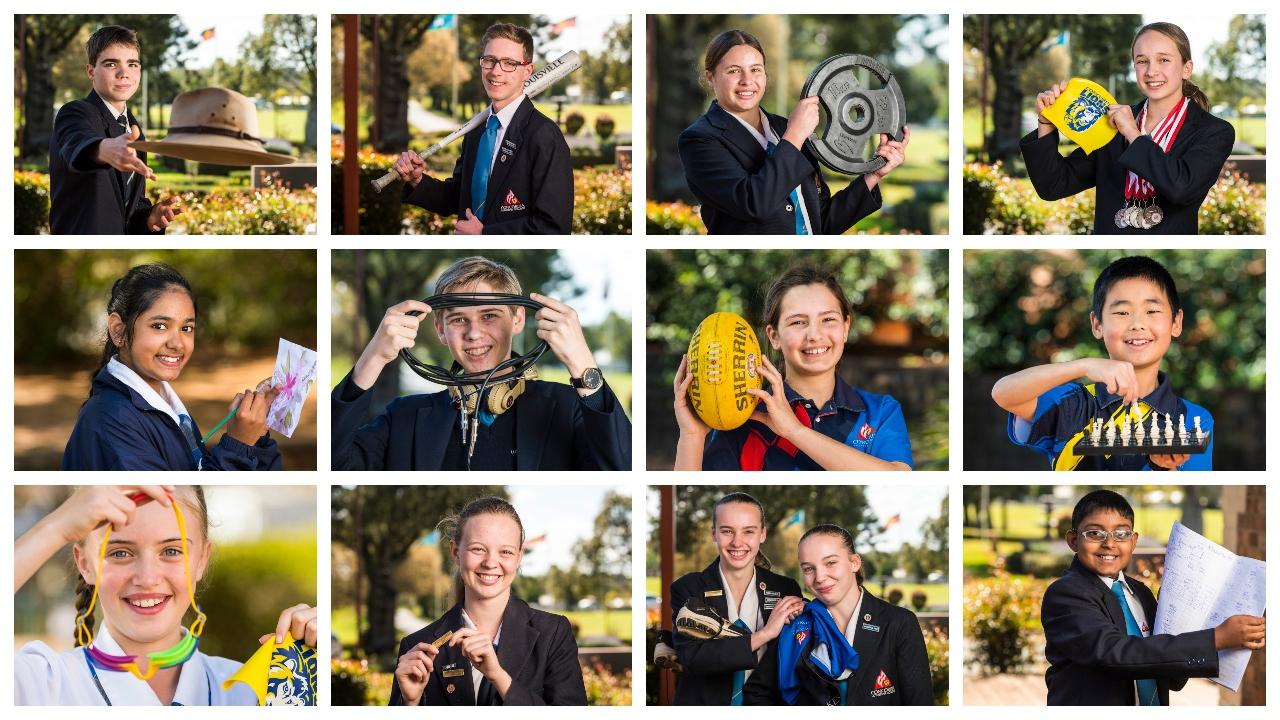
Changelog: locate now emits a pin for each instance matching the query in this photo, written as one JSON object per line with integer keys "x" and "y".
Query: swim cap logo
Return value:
{"x": 1085, "y": 110}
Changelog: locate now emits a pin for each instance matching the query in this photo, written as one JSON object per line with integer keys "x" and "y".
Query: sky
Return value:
{"x": 229, "y": 31}
{"x": 565, "y": 513}
{"x": 587, "y": 35}
{"x": 604, "y": 267}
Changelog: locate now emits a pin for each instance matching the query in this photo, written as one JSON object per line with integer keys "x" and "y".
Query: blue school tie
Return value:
{"x": 739, "y": 676}
{"x": 1148, "y": 692}
{"x": 484, "y": 165}
{"x": 794, "y": 197}
{"x": 188, "y": 427}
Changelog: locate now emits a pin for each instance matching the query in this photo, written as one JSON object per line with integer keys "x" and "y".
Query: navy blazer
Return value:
{"x": 1182, "y": 177}
{"x": 87, "y": 197}
{"x": 118, "y": 430}
{"x": 709, "y": 665}
{"x": 555, "y": 430}
{"x": 536, "y": 649}
{"x": 745, "y": 191}
{"x": 893, "y": 666}
{"x": 530, "y": 186}
{"x": 1092, "y": 658}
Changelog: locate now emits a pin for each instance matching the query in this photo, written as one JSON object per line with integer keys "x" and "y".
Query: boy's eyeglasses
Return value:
{"x": 1096, "y": 536}
{"x": 488, "y": 62}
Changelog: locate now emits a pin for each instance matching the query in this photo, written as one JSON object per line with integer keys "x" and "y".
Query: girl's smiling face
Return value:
{"x": 1158, "y": 66}
{"x": 829, "y": 569}
{"x": 811, "y": 330}
{"x": 489, "y": 555}
{"x": 143, "y": 587}
{"x": 739, "y": 80}
{"x": 738, "y": 534}
{"x": 164, "y": 336}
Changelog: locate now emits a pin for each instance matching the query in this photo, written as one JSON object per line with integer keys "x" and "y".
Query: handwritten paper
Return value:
{"x": 1204, "y": 584}
{"x": 295, "y": 374}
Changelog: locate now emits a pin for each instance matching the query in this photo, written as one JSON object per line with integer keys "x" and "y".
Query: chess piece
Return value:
{"x": 1125, "y": 429}
{"x": 1168, "y": 428}
{"x": 1198, "y": 431}
{"x": 1182, "y": 429}
{"x": 1111, "y": 435}
{"x": 1096, "y": 434}
{"x": 1140, "y": 432}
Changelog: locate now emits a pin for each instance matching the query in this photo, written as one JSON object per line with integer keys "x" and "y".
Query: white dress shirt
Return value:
{"x": 505, "y": 116}
{"x": 476, "y": 675}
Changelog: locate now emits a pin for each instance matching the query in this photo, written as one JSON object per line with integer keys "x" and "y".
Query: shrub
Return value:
{"x": 352, "y": 682}
{"x": 605, "y": 688}
{"x": 937, "y": 645}
{"x": 895, "y": 596}
{"x": 1234, "y": 206}
{"x": 604, "y": 126}
{"x": 918, "y": 599}
{"x": 999, "y": 613}
{"x": 573, "y": 122}
{"x": 673, "y": 218}
{"x": 996, "y": 203}
{"x": 602, "y": 202}
{"x": 30, "y": 203}
{"x": 380, "y": 213}
{"x": 271, "y": 210}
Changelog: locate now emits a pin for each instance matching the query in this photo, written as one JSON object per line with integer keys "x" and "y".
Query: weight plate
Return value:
{"x": 856, "y": 114}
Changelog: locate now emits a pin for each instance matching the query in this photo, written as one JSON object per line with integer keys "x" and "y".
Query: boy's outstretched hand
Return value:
{"x": 1241, "y": 631}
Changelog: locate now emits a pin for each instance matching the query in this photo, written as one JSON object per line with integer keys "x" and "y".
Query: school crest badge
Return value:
{"x": 883, "y": 686}
{"x": 801, "y": 635}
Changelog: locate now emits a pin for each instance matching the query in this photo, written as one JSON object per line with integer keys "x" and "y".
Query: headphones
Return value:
{"x": 466, "y": 389}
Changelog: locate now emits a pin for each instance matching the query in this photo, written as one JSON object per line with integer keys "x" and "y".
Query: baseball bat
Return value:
{"x": 540, "y": 80}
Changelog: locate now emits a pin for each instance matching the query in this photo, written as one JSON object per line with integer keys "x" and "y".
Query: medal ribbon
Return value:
{"x": 1136, "y": 187}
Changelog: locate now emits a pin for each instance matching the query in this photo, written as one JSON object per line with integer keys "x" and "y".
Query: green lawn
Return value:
{"x": 937, "y": 593}
{"x": 288, "y": 123}
{"x": 590, "y": 622}
{"x": 1026, "y": 520}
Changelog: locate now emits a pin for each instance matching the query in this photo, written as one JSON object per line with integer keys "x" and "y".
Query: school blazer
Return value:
{"x": 1182, "y": 177}
{"x": 530, "y": 186}
{"x": 893, "y": 667}
{"x": 87, "y": 197}
{"x": 744, "y": 191}
{"x": 555, "y": 430}
{"x": 709, "y": 664}
{"x": 1092, "y": 658}
{"x": 118, "y": 430}
{"x": 536, "y": 648}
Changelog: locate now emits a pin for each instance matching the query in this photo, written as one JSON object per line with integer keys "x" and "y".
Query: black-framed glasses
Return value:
{"x": 488, "y": 62}
{"x": 1095, "y": 535}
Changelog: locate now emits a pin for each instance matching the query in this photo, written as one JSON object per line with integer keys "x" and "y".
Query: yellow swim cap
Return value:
{"x": 1080, "y": 113}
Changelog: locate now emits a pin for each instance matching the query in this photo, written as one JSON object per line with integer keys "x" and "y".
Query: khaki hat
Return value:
{"x": 215, "y": 126}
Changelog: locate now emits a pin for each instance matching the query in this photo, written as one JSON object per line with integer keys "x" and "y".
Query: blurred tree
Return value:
{"x": 604, "y": 558}
{"x": 381, "y": 523}
{"x": 394, "y": 38}
{"x": 1032, "y": 308}
{"x": 41, "y": 40}
{"x": 435, "y": 64}
{"x": 283, "y": 58}
{"x": 1237, "y": 72}
{"x": 382, "y": 278}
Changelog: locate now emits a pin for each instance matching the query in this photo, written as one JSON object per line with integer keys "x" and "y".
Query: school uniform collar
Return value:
{"x": 769, "y": 135}
{"x": 167, "y": 402}
{"x": 115, "y": 114}
{"x": 844, "y": 398}
{"x": 476, "y": 676}
{"x": 1163, "y": 400}
{"x": 508, "y": 113}
{"x": 124, "y": 689}
{"x": 735, "y": 131}
{"x": 749, "y": 610}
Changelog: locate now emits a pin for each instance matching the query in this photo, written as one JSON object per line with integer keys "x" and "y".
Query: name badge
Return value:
{"x": 770, "y": 603}
{"x": 507, "y": 151}
{"x": 454, "y": 673}
{"x": 869, "y": 626}
{"x": 773, "y": 593}
{"x": 508, "y": 143}
{"x": 713, "y": 593}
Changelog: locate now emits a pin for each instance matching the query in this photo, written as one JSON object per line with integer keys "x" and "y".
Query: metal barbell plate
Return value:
{"x": 856, "y": 114}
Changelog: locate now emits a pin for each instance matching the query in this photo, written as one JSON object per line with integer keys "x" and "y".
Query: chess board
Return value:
{"x": 1155, "y": 435}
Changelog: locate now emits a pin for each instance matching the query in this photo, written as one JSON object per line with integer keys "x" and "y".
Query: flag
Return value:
{"x": 535, "y": 540}
{"x": 796, "y": 519}
{"x": 445, "y": 21}
{"x": 891, "y": 522}
{"x": 564, "y": 25}
{"x": 207, "y": 34}
{"x": 1061, "y": 39}
{"x": 432, "y": 538}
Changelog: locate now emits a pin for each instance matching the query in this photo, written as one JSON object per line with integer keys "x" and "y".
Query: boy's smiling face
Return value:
{"x": 1107, "y": 557}
{"x": 1137, "y": 322}
{"x": 479, "y": 337}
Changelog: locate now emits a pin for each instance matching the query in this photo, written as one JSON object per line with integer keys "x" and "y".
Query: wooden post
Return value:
{"x": 667, "y": 561}
{"x": 351, "y": 125}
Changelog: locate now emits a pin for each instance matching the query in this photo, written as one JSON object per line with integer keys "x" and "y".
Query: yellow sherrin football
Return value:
{"x": 723, "y": 359}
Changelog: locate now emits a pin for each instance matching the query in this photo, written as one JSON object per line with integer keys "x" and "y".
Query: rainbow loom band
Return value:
{"x": 176, "y": 655}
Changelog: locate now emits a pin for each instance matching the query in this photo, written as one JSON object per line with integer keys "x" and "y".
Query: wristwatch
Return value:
{"x": 591, "y": 379}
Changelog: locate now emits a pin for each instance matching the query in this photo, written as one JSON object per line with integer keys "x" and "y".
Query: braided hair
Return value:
{"x": 84, "y": 590}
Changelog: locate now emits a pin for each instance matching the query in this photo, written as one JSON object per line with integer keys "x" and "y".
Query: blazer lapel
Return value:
{"x": 713, "y": 591}
{"x": 533, "y": 423}
{"x": 433, "y": 429}
{"x": 112, "y": 130}
{"x": 504, "y": 156}
{"x": 870, "y": 629}
{"x": 1190, "y": 128}
{"x": 518, "y": 637}
{"x": 737, "y": 134}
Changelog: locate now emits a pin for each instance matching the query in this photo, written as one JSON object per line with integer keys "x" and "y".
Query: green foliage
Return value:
{"x": 247, "y": 586}
{"x": 996, "y": 203}
{"x": 353, "y": 682}
{"x": 672, "y": 218}
{"x": 272, "y": 210}
{"x": 937, "y": 645}
{"x": 247, "y": 299}
{"x": 573, "y": 123}
{"x": 602, "y": 202}
{"x": 380, "y": 212}
{"x": 999, "y": 614}
{"x": 606, "y": 688}
{"x": 1032, "y": 308}
{"x": 1234, "y": 206}
{"x": 30, "y": 203}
